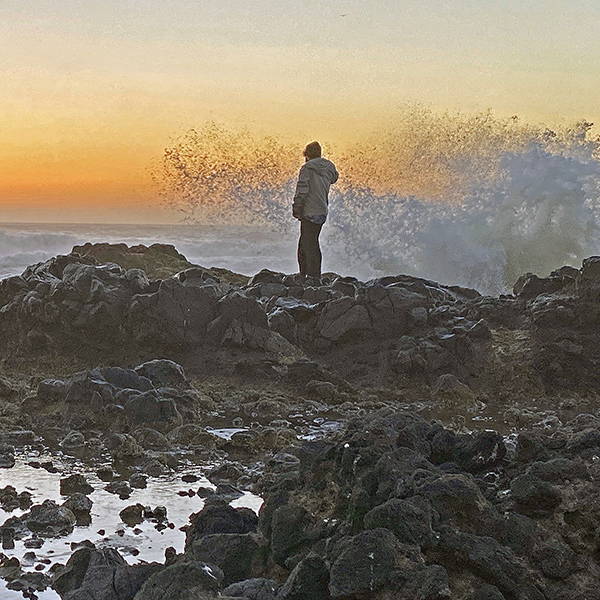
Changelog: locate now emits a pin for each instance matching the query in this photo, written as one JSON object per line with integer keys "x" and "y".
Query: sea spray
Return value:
{"x": 540, "y": 215}
{"x": 469, "y": 200}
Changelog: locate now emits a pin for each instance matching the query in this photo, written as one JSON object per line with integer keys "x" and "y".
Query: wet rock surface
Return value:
{"x": 409, "y": 439}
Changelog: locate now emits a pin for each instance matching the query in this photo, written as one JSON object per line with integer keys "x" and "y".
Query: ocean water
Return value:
{"x": 468, "y": 200}
{"x": 244, "y": 249}
{"x": 107, "y": 529}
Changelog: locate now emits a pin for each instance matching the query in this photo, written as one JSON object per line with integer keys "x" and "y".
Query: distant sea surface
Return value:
{"x": 244, "y": 250}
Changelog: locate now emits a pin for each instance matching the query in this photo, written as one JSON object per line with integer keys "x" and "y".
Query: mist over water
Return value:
{"x": 243, "y": 249}
{"x": 462, "y": 199}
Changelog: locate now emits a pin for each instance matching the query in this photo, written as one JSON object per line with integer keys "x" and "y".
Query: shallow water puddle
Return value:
{"x": 140, "y": 543}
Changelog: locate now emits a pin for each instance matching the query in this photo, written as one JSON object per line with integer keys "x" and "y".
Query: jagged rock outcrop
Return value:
{"x": 564, "y": 313}
{"x": 406, "y": 326}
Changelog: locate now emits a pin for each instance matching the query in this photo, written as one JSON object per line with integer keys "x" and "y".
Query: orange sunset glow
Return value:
{"x": 93, "y": 93}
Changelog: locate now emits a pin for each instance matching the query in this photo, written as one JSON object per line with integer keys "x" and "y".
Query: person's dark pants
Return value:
{"x": 309, "y": 252}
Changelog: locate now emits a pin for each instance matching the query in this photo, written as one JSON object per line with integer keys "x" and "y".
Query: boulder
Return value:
{"x": 51, "y": 390}
{"x": 150, "y": 408}
{"x": 254, "y": 589}
{"x": 174, "y": 317}
{"x": 235, "y": 554}
{"x": 483, "y": 555}
{"x": 81, "y": 506}
{"x": 182, "y": 580}
{"x": 390, "y": 308}
{"x": 91, "y": 573}
{"x": 534, "y": 497}
{"x": 343, "y": 319}
{"x": 409, "y": 521}
{"x": 292, "y": 529}
{"x": 428, "y": 583}
{"x": 163, "y": 373}
{"x": 455, "y": 497}
{"x": 530, "y": 285}
{"x": 132, "y": 515}
{"x": 476, "y": 452}
{"x": 309, "y": 580}
{"x": 119, "y": 488}
{"x": 555, "y": 559}
{"x": 362, "y": 563}
{"x": 220, "y": 519}
{"x": 49, "y": 520}
{"x": 194, "y": 435}
{"x": 73, "y": 484}
{"x": 7, "y": 456}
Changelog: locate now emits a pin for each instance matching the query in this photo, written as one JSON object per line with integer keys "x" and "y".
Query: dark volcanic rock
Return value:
{"x": 389, "y": 504}
{"x": 292, "y": 529}
{"x": 176, "y": 316}
{"x": 484, "y": 555}
{"x": 149, "y": 407}
{"x": 181, "y": 581}
{"x": 456, "y": 497}
{"x": 92, "y": 573}
{"x": 476, "y": 452}
{"x": 74, "y": 484}
{"x": 220, "y": 518}
{"x": 308, "y": 581}
{"x": 235, "y": 554}
{"x": 72, "y": 302}
{"x": 7, "y": 456}
{"x": 156, "y": 261}
{"x": 534, "y": 497}
{"x": 80, "y": 505}
{"x": 429, "y": 583}
{"x": 487, "y": 592}
{"x": 555, "y": 559}
{"x": 10, "y": 499}
{"x": 530, "y": 285}
{"x": 132, "y": 515}
{"x": 362, "y": 563}
{"x": 51, "y": 390}
{"x": 409, "y": 521}
{"x": 28, "y": 583}
{"x": 46, "y": 520}
{"x": 162, "y": 373}
{"x": 253, "y": 589}
{"x": 120, "y": 488}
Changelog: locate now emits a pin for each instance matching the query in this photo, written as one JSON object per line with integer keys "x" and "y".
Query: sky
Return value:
{"x": 92, "y": 92}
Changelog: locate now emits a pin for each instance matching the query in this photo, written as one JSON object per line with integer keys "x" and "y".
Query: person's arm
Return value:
{"x": 301, "y": 193}
{"x": 335, "y": 176}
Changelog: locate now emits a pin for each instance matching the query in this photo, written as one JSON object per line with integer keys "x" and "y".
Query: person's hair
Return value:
{"x": 313, "y": 150}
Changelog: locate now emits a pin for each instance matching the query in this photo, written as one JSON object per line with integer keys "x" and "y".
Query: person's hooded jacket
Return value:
{"x": 312, "y": 191}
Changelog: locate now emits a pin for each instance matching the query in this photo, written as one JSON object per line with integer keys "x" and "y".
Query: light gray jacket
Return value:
{"x": 312, "y": 191}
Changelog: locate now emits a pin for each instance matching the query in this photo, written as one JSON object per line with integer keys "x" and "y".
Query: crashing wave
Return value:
{"x": 469, "y": 200}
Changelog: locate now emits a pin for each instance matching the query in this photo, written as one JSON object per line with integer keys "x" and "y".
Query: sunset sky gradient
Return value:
{"x": 92, "y": 92}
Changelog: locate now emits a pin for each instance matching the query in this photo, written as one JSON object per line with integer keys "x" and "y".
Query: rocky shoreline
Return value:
{"x": 410, "y": 440}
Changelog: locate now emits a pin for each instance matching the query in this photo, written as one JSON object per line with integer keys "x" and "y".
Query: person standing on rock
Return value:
{"x": 310, "y": 208}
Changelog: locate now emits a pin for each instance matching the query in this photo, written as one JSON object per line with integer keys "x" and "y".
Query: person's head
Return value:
{"x": 313, "y": 150}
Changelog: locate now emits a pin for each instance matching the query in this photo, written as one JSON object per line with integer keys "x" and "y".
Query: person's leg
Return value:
{"x": 301, "y": 248}
{"x": 312, "y": 249}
